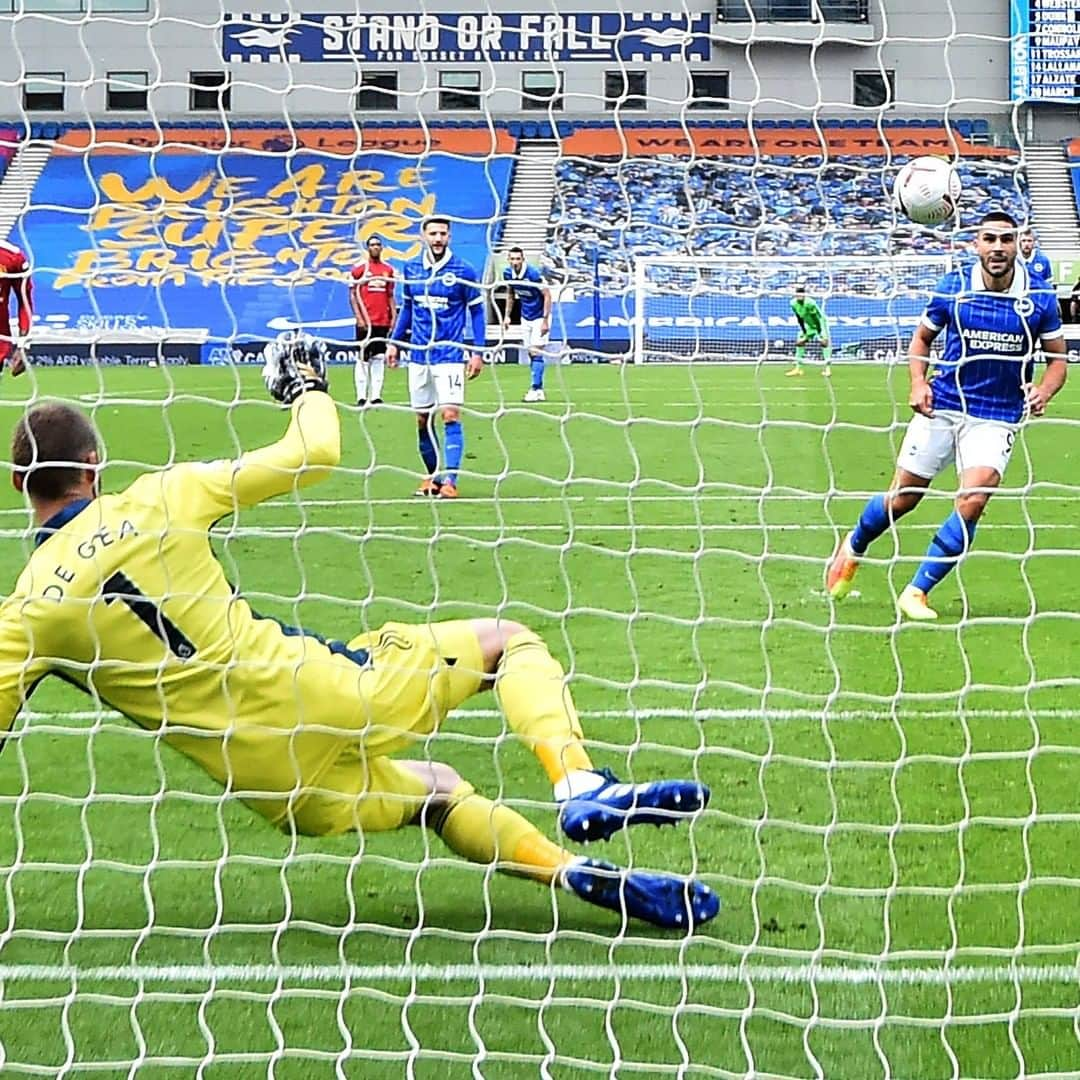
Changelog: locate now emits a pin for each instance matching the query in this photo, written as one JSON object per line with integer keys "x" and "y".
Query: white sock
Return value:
{"x": 361, "y": 380}
{"x": 576, "y": 783}
{"x": 378, "y": 371}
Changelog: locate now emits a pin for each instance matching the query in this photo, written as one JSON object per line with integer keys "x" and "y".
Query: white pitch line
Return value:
{"x": 731, "y": 974}
{"x": 562, "y": 527}
{"x": 160, "y": 397}
{"x": 736, "y": 715}
{"x": 480, "y": 409}
{"x": 630, "y": 499}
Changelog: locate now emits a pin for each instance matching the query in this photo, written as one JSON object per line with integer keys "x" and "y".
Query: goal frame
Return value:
{"x": 642, "y": 264}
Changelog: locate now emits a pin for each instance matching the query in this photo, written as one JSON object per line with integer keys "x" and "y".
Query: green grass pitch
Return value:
{"x": 895, "y": 805}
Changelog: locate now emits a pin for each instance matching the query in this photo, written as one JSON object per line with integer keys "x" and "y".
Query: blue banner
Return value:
{"x": 1020, "y": 29}
{"x": 711, "y": 325}
{"x": 1045, "y": 54}
{"x": 237, "y": 245}
{"x": 259, "y": 38}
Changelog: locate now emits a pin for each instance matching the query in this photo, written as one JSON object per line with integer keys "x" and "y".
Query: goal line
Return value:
{"x": 731, "y": 974}
{"x": 670, "y": 713}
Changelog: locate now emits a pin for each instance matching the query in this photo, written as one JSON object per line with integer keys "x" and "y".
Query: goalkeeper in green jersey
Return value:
{"x": 813, "y": 326}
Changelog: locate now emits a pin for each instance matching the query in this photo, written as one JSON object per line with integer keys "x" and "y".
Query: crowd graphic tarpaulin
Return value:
{"x": 238, "y": 244}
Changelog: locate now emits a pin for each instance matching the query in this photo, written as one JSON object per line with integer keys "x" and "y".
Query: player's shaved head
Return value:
{"x": 46, "y": 446}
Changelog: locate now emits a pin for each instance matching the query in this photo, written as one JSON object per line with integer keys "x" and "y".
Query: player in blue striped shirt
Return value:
{"x": 534, "y": 296}
{"x": 441, "y": 315}
{"x": 1034, "y": 259}
{"x": 995, "y": 315}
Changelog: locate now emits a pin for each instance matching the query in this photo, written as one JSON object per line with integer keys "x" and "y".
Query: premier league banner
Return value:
{"x": 257, "y": 38}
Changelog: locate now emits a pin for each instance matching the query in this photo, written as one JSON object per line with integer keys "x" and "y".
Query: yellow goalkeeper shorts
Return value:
{"x": 418, "y": 674}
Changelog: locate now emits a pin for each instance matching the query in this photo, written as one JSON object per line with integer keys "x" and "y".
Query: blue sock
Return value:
{"x": 454, "y": 436}
{"x": 429, "y": 451}
{"x": 537, "y": 365}
{"x": 951, "y": 541}
{"x": 873, "y": 521}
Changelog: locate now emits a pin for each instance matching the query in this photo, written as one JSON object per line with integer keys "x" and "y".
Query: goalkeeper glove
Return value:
{"x": 293, "y": 365}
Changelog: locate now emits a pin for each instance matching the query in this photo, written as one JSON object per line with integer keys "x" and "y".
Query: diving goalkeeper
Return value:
{"x": 123, "y": 597}
{"x": 813, "y": 326}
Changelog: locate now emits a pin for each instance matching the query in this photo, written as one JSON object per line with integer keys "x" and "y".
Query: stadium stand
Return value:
{"x": 1073, "y": 152}
{"x": 268, "y": 236}
{"x": 10, "y": 137}
{"x": 807, "y": 191}
{"x": 124, "y": 233}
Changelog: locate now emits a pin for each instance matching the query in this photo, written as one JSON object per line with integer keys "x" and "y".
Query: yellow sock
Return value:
{"x": 485, "y": 832}
{"x": 538, "y": 706}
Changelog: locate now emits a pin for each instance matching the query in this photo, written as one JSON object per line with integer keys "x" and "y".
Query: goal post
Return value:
{"x": 717, "y": 308}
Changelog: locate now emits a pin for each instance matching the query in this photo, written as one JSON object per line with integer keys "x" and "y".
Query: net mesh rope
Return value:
{"x": 893, "y": 823}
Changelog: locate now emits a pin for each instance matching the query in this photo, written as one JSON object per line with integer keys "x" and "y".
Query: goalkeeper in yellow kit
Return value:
{"x": 123, "y": 597}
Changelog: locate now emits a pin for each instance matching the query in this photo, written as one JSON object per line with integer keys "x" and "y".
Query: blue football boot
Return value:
{"x": 614, "y": 805}
{"x": 661, "y": 899}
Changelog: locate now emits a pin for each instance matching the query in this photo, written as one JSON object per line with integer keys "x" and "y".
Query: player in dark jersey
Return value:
{"x": 14, "y": 281}
{"x": 996, "y": 316}
{"x": 371, "y": 294}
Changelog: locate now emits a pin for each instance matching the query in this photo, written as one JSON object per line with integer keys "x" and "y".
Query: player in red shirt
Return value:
{"x": 371, "y": 293}
{"x": 14, "y": 278}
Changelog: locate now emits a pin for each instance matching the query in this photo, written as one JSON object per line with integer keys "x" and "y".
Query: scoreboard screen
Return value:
{"x": 1045, "y": 50}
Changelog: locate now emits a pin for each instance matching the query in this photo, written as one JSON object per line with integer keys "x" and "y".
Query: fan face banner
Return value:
{"x": 256, "y": 38}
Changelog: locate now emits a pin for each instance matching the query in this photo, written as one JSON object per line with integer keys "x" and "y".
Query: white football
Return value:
{"x": 927, "y": 190}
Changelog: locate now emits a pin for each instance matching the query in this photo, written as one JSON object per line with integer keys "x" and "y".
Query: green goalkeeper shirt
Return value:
{"x": 811, "y": 318}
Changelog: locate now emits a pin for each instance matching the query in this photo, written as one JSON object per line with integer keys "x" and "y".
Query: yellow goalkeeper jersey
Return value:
{"x": 123, "y": 597}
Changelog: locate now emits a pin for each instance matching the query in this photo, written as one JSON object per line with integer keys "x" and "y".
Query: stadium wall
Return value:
{"x": 957, "y": 61}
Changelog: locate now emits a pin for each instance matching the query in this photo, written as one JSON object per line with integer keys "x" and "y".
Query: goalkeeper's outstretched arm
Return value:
{"x": 304, "y": 455}
{"x": 204, "y": 492}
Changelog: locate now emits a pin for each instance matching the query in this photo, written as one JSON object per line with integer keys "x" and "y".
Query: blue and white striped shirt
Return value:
{"x": 1039, "y": 265}
{"x": 990, "y": 341}
{"x": 442, "y": 310}
{"x": 529, "y": 287}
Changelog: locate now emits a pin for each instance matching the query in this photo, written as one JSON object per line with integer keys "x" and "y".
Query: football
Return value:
{"x": 927, "y": 190}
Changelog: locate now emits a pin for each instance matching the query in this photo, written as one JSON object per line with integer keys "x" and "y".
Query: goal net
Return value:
{"x": 716, "y": 308}
{"x": 893, "y": 830}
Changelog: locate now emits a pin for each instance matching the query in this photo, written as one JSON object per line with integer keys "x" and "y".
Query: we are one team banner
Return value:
{"x": 533, "y": 37}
